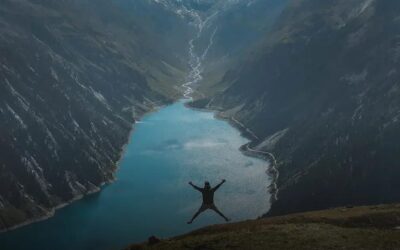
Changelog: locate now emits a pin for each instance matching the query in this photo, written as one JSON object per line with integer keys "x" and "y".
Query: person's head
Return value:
{"x": 207, "y": 185}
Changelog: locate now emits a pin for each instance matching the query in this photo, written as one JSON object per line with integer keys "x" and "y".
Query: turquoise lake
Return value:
{"x": 151, "y": 195}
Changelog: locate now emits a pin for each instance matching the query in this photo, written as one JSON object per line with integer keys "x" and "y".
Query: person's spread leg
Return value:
{"x": 219, "y": 212}
{"x": 201, "y": 209}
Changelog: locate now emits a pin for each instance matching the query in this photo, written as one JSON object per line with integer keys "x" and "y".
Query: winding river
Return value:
{"x": 151, "y": 196}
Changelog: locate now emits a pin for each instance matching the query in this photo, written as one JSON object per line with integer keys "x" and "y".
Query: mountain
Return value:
{"x": 344, "y": 228}
{"x": 320, "y": 92}
{"x": 313, "y": 83}
{"x": 75, "y": 76}
{"x": 237, "y": 27}
{"x": 227, "y": 30}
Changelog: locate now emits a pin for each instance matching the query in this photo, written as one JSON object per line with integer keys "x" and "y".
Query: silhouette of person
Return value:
{"x": 208, "y": 199}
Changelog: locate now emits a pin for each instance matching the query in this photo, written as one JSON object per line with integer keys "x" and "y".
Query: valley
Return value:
{"x": 309, "y": 88}
{"x": 150, "y": 194}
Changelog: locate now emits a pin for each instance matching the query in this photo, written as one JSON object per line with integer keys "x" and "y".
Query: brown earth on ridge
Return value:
{"x": 369, "y": 227}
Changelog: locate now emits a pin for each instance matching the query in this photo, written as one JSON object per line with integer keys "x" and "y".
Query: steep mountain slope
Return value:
{"x": 222, "y": 30}
{"x": 228, "y": 30}
{"x": 236, "y": 27}
{"x": 75, "y": 75}
{"x": 321, "y": 93}
{"x": 342, "y": 228}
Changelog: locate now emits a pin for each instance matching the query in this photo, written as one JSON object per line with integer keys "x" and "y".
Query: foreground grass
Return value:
{"x": 373, "y": 227}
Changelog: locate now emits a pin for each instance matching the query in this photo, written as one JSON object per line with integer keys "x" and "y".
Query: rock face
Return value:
{"x": 236, "y": 27}
{"x": 228, "y": 31}
{"x": 75, "y": 75}
{"x": 321, "y": 92}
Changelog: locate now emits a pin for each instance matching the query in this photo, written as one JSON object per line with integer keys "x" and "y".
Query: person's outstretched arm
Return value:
{"x": 217, "y": 186}
{"x": 194, "y": 186}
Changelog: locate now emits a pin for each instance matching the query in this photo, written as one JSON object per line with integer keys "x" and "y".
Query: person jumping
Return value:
{"x": 208, "y": 199}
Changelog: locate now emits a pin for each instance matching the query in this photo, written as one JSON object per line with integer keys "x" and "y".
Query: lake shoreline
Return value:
{"x": 169, "y": 146}
{"x": 272, "y": 169}
{"x": 51, "y": 212}
{"x": 96, "y": 189}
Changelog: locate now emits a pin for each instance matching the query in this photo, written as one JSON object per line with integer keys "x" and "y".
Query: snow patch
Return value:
{"x": 356, "y": 78}
{"x": 75, "y": 186}
{"x": 356, "y": 114}
{"x": 100, "y": 97}
{"x": 54, "y": 74}
{"x": 17, "y": 117}
{"x": 270, "y": 142}
{"x": 364, "y": 6}
{"x": 33, "y": 167}
{"x": 23, "y": 102}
